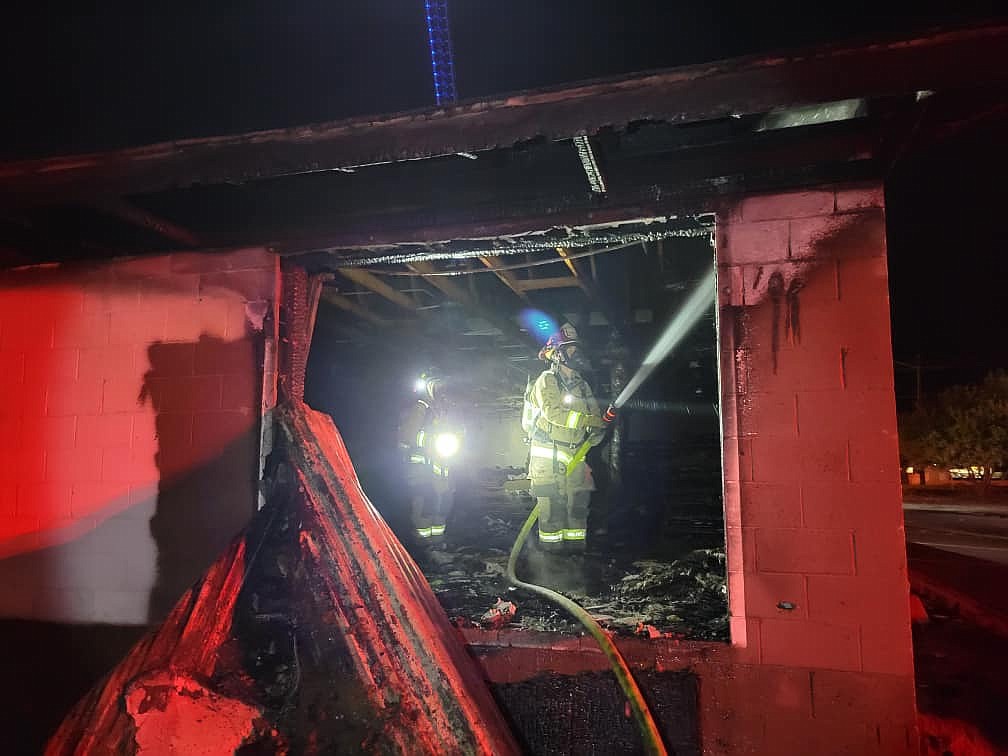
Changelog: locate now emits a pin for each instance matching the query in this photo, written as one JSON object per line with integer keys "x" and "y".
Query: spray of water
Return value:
{"x": 679, "y": 326}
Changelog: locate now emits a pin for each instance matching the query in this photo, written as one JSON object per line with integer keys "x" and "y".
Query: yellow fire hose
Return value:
{"x": 645, "y": 721}
{"x": 697, "y": 303}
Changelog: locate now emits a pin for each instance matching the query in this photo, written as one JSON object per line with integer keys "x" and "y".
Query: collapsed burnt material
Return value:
{"x": 676, "y": 587}
{"x": 314, "y": 633}
{"x": 428, "y": 693}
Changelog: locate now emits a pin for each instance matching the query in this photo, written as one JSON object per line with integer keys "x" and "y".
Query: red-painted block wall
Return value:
{"x": 132, "y": 393}
{"x": 816, "y": 551}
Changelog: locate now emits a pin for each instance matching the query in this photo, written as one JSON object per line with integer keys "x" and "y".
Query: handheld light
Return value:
{"x": 446, "y": 444}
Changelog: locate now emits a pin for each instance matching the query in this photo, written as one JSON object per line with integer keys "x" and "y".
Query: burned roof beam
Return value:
{"x": 962, "y": 58}
{"x": 136, "y": 216}
{"x": 457, "y": 294}
{"x": 446, "y": 287}
{"x": 572, "y": 267}
{"x": 373, "y": 283}
{"x": 557, "y": 282}
{"x": 505, "y": 276}
{"x": 598, "y": 296}
{"x": 346, "y": 304}
{"x": 678, "y": 183}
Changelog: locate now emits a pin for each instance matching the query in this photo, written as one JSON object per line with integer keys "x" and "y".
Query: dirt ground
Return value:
{"x": 672, "y": 581}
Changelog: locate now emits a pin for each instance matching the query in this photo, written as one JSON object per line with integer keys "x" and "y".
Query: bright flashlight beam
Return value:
{"x": 680, "y": 325}
{"x": 446, "y": 444}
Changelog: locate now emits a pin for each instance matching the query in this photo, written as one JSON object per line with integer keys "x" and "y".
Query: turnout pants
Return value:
{"x": 563, "y": 512}
{"x": 431, "y": 498}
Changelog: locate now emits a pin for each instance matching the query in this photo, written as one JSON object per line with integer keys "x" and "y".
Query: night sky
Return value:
{"x": 134, "y": 73}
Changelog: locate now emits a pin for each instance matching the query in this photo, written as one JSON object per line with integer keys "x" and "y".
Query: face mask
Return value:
{"x": 578, "y": 362}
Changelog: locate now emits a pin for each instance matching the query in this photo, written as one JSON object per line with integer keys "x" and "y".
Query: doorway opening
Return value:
{"x": 478, "y": 311}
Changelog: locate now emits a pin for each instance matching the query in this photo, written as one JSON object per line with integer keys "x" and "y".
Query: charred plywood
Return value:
{"x": 314, "y": 633}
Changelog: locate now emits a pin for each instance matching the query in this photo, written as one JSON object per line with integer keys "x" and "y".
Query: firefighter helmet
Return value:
{"x": 430, "y": 382}
{"x": 555, "y": 348}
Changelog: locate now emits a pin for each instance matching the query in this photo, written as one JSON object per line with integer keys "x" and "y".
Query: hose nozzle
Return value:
{"x": 610, "y": 414}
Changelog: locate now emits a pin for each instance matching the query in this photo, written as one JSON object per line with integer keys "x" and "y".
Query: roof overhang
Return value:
{"x": 666, "y": 142}
{"x": 972, "y": 57}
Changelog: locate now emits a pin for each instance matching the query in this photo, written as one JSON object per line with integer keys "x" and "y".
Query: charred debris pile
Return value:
{"x": 314, "y": 633}
{"x": 675, "y": 588}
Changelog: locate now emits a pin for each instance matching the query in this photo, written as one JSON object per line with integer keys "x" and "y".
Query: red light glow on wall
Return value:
{"x": 118, "y": 382}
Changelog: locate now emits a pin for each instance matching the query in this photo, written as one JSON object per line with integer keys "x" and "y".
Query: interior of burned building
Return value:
{"x": 655, "y": 554}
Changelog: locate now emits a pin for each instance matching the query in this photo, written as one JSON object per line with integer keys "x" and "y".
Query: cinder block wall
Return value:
{"x": 820, "y": 660}
{"x": 130, "y": 401}
{"x": 816, "y": 556}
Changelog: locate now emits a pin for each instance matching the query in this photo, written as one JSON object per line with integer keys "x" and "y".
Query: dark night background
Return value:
{"x": 134, "y": 73}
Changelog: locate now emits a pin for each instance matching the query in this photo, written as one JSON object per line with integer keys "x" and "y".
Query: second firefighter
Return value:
{"x": 430, "y": 437}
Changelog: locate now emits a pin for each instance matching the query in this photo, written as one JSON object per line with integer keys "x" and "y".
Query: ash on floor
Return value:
{"x": 672, "y": 583}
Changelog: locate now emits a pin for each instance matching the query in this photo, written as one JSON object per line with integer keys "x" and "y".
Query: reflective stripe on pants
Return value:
{"x": 547, "y": 452}
{"x": 433, "y": 530}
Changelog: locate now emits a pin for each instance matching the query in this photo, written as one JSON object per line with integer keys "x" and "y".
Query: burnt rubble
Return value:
{"x": 314, "y": 633}
{"x": 684, "y": 595}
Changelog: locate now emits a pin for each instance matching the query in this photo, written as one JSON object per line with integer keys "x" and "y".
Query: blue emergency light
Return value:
{"x": 539, "y": 324}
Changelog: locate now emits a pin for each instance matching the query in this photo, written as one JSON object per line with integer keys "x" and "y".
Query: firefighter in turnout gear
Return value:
{"x": 430, "y": 441}
{"x": 560, "y": 414}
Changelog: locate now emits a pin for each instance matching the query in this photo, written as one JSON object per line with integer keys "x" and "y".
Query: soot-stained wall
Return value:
{"x": 132, "y": 393}
{"x": 816, "y": 549}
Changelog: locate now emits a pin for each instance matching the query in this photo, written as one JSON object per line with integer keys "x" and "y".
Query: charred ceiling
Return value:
{"x": 664, "y": 143}
{"x": 421, "y": 188}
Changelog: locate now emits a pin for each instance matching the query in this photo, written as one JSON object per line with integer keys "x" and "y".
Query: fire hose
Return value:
{"x": 684, "y": 320}
{"x": 642, "y": 714}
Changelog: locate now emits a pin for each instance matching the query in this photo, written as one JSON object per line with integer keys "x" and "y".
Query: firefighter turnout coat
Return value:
{"x": 558, "y": 408}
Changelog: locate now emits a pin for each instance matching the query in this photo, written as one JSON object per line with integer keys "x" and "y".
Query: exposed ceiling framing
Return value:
{"x": 375, "y": 284}
{"x": 346, "y": 304}
{"x": 505, "y": 276}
